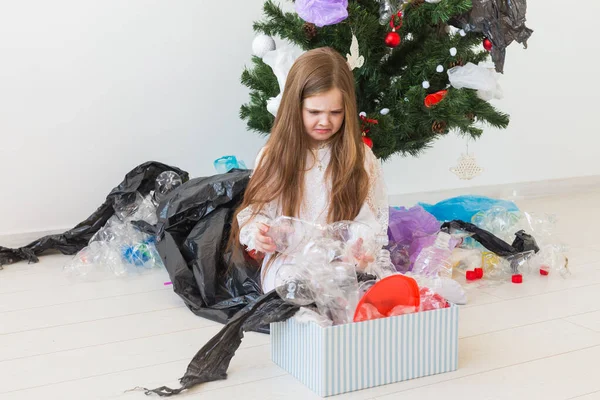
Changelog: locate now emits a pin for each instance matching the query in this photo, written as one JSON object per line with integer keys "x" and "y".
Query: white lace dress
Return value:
{"x": 374, "y": 212}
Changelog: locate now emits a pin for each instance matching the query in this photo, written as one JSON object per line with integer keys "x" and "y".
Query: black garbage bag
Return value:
{"x": 193, "y": 227}
{"x": 501, "y": 21}
{"x": 141, "y": 179}
{"x": 525, "y": 242}
{"x": 485, "y": 238}
{"x": 212, "y": 360}
{"x": 522, "y": 243}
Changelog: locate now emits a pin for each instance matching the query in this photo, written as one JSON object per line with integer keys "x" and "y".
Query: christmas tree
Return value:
{"x": 416, "y": 63}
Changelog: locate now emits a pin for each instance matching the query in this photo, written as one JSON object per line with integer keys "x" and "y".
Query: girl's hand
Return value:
{"x": 262, "y": 242}
{"x": 362, "y": 258}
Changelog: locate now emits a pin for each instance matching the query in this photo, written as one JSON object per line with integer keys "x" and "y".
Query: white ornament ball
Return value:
{"x": 425, "y": 84}
{"x": 409, "y": 36}
{"x": 462, "y": 33}
{"x": 453, "y": 51}
{"x": 362, "y": 114}
{"x": 384, "y": 111}
{"x": 262, "y": 44}
{"x": 440, "y": 68}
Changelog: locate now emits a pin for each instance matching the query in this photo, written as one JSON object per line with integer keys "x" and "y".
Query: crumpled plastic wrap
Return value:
{"x": 322, "y": 12}
{"x": 324, "y": 268}
{"x": 476, "y": 77}
{"x": 501, "y": 21}
{"x": 281, "y": 60}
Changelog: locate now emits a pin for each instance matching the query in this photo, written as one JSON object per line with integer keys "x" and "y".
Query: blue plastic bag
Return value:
{"x": 464, "y": 207}
{"x": 226, "y": 163}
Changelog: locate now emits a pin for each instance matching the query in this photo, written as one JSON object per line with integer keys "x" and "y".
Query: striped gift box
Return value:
{"x": 361, "y": 355}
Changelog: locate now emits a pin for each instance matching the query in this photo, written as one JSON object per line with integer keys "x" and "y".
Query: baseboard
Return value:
{"x": 512, "y": 191}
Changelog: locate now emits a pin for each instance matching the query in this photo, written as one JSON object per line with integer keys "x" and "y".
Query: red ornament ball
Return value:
{"x": 392, "y": 39}
{"x": 368, "y": 141}
{"x": 487, "y": 44}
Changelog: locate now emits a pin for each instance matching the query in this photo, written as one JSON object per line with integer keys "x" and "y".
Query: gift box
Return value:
{"x": 361, "y": 355}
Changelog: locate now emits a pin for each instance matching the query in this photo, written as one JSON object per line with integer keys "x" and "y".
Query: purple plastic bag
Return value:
{"x": 407, "y": 224}
{"x": 322, "y": 12}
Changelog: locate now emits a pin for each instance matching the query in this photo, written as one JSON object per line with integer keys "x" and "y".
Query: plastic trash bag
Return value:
{"x": 211, "y": 362}
{"x": 476, "y": 77}
{"x": 322, "y": 12}
{"x": 407, "y": 224}
{"x": 227, "y": 163}
{"x": 485, "y": 238}
{"x": 192, "y": 233}
{"x": 465, "y": 207}
{"x": 141, "y": 179}
{"x": 501, "y": 21}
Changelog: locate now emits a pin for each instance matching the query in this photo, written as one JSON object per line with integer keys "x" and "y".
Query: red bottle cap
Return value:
{"x": 518, "y": 278}
{"x": 471, "y": 275}
{"x": 479, "y": 273}
{"x": 544, "y": 271}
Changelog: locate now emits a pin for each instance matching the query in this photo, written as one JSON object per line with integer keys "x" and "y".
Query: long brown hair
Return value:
{"x": 279, "y": 175}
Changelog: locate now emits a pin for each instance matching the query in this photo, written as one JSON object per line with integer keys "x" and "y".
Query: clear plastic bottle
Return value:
{"x": 383, "y": 266}
{"x": 435, "y": 260}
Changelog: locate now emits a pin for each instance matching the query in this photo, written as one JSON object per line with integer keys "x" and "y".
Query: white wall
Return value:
{"x": 90, "y": 89}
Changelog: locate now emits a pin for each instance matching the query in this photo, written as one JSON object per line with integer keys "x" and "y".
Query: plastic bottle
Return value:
{"x": 435, "y": 260}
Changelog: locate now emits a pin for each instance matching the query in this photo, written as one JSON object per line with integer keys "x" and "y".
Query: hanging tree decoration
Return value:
{"x": 364, "y": 126}
{"x": 355, "y": 60}
{"x": 392, "y": 39}
{"x": 467, "y": 168}
{"x": 435, "y": 98}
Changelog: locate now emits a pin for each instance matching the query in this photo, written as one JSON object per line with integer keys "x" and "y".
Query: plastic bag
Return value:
{"x": 501, "y": 21}
{"x": 211, "y": 362}
{"x": 485, "y": 238}
{"x": 227, "y": 163}
{"x": 407, "y": 224}
{"x": 307, "y": 315}
{"x": 141, "y": 179}
{"x": 430, "y": 300}
{"x": 192, "y": 233}
{"x": 465, "y": 207}
{"x": 499, "y": 221}
{"x": 476, "y": 77}
{"x": 322, "y": 12}
{"x": 281, "y": 61}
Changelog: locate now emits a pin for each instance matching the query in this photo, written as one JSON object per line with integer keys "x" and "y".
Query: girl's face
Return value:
{"x": 323, "y": 115}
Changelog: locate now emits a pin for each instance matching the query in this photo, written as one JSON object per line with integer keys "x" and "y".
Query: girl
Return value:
{"x": 314, "y": 166}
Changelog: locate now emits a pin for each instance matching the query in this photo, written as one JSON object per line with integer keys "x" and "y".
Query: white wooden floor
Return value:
{"x": 61, "y": 339}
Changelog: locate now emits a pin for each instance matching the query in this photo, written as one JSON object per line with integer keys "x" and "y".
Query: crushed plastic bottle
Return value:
{"x": 435, "y": 260}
